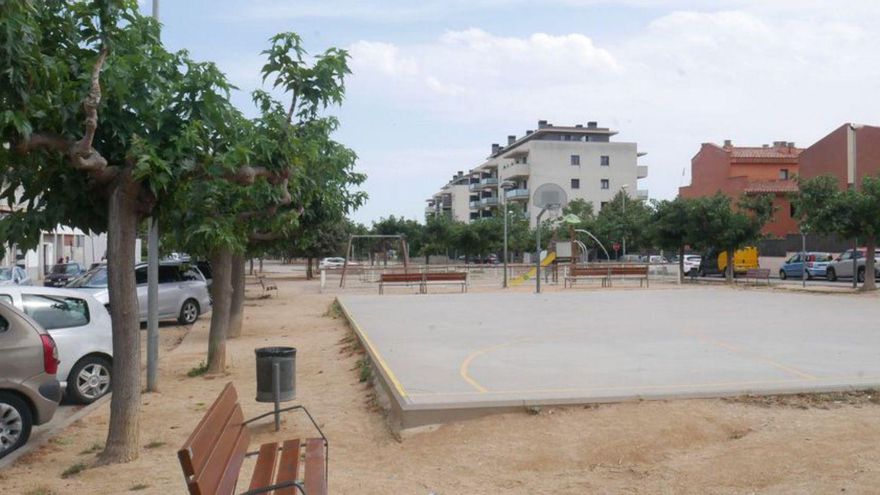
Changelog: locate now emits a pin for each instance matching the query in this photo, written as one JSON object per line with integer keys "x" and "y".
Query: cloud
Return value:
{"x": 755, "y": 72}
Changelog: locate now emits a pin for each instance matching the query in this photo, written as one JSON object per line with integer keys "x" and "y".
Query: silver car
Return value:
{"x": 14, "y": 275}
{"x": 842, "y": 266}
{"x": 183, "y": 292}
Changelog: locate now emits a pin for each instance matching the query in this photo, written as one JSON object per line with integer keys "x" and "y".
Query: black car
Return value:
{"x": 61, "y": 274}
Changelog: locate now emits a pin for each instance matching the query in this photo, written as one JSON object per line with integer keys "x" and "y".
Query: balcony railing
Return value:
{"x": 474, "y": 205}
{"x": 516, "y": 170}
{"x": 489, "y": 181}
{"x": 642, "y": 194}
{"x": 642, "y": 171}
{"x": 515, "y": 194}
{"x": 491, "y": 201}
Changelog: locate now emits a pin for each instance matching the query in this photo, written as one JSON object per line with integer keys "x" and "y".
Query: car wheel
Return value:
{"x": 89, "y": 380}
{"x": 861, "y": 276}
{"x": 782, "y": 275}
{"x": 189, "y": 312}
{"x": 831, "y": 275}
{"x": 15, "y": 423}
{"x": 702, "y": 272}
{"x": 809, "y": 275}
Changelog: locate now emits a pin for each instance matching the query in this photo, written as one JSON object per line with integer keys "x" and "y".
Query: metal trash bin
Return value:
{"x": 270, "y": 359}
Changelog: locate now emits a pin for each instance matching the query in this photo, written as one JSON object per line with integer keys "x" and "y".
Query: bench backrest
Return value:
{"x": 629, "y": 270}
{"x": 446, "y": 277}
{"x": 587, "y": 271}
{"x": 400, "y": 277}
{"x": 213, "y": 454}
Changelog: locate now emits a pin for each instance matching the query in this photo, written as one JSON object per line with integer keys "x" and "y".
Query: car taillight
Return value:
{"x": 810, "y": 264}
{"x": 50, "y": 354}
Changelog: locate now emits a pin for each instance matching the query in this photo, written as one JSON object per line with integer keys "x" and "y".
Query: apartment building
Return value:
{"x": 581, "y": 159}
{"x": 737, "y": 170}
{"x": 850, "y": 153}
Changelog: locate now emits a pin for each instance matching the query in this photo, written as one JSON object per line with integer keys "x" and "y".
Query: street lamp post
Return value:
{"x": 623, "y": 188}
{"x": 505, "y": 186}
{"x": 853, "y": 184}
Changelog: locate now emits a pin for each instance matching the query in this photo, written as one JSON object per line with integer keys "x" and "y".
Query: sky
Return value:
{"x": 435, "y": 82}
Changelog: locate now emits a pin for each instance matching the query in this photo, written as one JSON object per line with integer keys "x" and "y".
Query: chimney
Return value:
{"x": 542, "y": 124}
{"x": 511, "y": 139}
{"x": 579, "y": 126}
{"x": 728, "y": 143}
{"x": 592, "y": 125}
{"x": 765, "y": 145}
{"x": 791, "y": 144}
{"x": 529, "y": 132}
{"x": 496, "y": 148}
{"x": 460, "y": 173}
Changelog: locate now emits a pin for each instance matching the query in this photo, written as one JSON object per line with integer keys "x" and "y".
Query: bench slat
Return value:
{"x": 314, "y": 479}
{"x": 222, "y": 453}
{"x": 289, "y": 468}
{"x": 229, "y": 476}
{"x": 195, "y": 451}
{"x": 265, "y": 468}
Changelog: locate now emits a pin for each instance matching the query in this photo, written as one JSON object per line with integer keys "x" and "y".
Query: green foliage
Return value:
{"x": 624, "y": 218}
{"x": 822, "y": 208}
{"x": 199, "y": 370}
{"x": 672, "y": 224}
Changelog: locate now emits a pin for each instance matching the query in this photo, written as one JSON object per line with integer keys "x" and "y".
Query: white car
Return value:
{"x": 692, "y": 263}
{"x": 81, "y": 328}
{"x": 14, "y": 275}
{"x": 330, "y": 263}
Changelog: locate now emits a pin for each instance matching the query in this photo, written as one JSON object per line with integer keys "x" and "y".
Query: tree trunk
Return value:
{"x": 309, "y": 273}
{"x": 729, "y": 272}
{"x": 681, "y": 264}
{"x": 236, "y": 307}
{"x": 252, "y": 266}
{"x": 870, "y": 261}
{"x": 122, "y": 437}
{"x": 221, "y": 291}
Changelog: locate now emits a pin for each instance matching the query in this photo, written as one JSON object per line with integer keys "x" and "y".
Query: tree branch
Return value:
{"x": 265, "y": 236}
{"x": 286, "y": 199}
{"x": 246, "y": 175}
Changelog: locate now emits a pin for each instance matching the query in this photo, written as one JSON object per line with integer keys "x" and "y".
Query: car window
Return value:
{"x": 190, "y": 275}
{"x": 140, "y": 275}
{"x": 96, "y": 277}
{"x": 4, "y": 325}
{"x": 169, "y": 274}
{"x": 56, "y": 311}
{"x": 845, "y": 256}
{"x": 6, "y": 298}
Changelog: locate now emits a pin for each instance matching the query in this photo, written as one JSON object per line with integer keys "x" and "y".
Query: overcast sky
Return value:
{"x": 436, "y": 82}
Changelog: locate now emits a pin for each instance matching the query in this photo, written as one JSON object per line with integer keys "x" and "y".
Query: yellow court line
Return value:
{"x": 464, "y": 369}
{"x": 650, "y": 387}
{"x": 749, "y": 354}
{"x": 372, "y": 350}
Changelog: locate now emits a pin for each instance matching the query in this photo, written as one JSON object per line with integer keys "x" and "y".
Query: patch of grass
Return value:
{"x": 73, "y": 470}
{"x": 60, "y": 441}
{"x": 334, "y": 310}
{"x": 94, "y": 449}
{"x": 40, "y": 491}
{"x": 365, "y": 370}
{"x": 154, "y": 445}
{"x": 199, "y": 370}
{"x": 138, "y": 487}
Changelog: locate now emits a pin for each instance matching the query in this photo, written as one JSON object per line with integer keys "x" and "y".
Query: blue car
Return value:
{"x": 816, "y": 264}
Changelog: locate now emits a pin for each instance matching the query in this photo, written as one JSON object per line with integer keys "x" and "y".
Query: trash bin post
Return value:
{"x": 276, "y": 388}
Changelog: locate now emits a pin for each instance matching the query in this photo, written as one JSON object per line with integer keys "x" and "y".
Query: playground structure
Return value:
{"x": 349, "y": 251}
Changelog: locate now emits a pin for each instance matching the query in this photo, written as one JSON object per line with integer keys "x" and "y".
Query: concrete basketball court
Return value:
{"x": 450, "y": 356}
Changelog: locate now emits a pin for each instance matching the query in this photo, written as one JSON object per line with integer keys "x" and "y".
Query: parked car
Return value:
{"x": 810, "y": 264}
{"x": 842, "y": 266}
{"x": 183, "y": 291}
{"x": 204, "y": 267}
{"x": 62, "y": 273}
{"x": 691, "y": 264}
{"x": 330, "y": 263}
{"x": 656, "y": 259}
{"x": 631, "y": 258}
{"x": 14, "y": 275}
{"x": 81, "y": 328}
{"x": 714, "y": 262}
{"x": 29, "y": 392}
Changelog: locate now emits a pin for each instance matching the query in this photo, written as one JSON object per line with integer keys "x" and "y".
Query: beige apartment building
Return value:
{"x": 581, "y": 159}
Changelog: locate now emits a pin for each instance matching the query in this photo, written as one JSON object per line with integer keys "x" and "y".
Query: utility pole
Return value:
{"x": 853, "y": 183}
{"x": 153, "y": 288}
{"x": 623, "y": 188}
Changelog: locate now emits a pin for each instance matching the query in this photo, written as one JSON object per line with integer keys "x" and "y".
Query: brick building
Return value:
{"x": 737, "y": 170}
{"x": 830, "y": 155}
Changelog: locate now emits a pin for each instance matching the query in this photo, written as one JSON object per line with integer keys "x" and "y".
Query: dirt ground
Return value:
{"x": 801, "y": 444}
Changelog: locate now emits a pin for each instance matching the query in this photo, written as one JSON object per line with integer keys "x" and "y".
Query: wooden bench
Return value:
{"x": 586, "y": 272}
{"x": 214, "y": 453}
{"x": 267, "y": 286}
{"x": 444, "y": 278}
{"x": 624, "y": 272}
{"x": 758, "y": 274}
{"x": 406, "y": 279}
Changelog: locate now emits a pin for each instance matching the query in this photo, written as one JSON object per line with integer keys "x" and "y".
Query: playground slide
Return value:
{"x": 549, "y": 258}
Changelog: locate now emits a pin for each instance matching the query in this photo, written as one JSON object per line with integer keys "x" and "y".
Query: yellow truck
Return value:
{"x": 715, "y": 262}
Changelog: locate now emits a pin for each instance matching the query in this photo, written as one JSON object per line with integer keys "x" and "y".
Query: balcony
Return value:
{"x": 642, "y": 194}
{"x": 489, "y": 182}
{"x": 517, "y": 194}
{"x": 641, "y": 171}
{"x": 491, "y": 201}
{"x": 474, "y": 205}
{"x": 474, "y": 186}
{"x": 516, "y": 170}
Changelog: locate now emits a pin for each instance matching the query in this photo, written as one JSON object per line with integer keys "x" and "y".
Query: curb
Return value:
{"x": 29, "y": 447}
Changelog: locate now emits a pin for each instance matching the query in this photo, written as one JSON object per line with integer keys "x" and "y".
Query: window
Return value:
{"x": 603, "y": 204}
{"x": 783, "y": 174}
{"x": 606, "y": 184}
{"x": 568, "y": 137}
{"x": 169, "y": 274}
{"x": 791, "y": 211}
{"x": 140, "y": 275}
{"x": 55, "y": 311}
{"x": 6, "y": 298}
{"x": 605, "y": 160}
{"x": 575, "y": 183}
{"x": 575, "y": 159}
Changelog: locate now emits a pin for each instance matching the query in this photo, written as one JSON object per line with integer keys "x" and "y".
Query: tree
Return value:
{"x": 625, "y": 218}
{"x": 671, "y": 227}
{"x": 99, "y": 115}
{"x": 825, "y": 209}
{"x": 721, "y": 225}
{"x": 437, "y": 236}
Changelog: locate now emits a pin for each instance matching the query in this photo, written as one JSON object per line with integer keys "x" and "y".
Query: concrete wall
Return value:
{"x": 460, "y": 202}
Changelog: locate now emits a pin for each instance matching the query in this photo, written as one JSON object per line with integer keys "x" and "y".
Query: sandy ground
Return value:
{"x": 829, "y": 444}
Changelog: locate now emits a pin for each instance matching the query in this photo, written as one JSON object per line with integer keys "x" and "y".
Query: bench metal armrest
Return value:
{"x": 314, "y": 423}
{"x": 276, "y": 486}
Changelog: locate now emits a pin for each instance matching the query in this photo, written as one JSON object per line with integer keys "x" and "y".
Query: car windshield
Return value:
{"x": 65, "y": 269}
{"x": 5, "y": 274}
{"x": 819, "y": 257}
{"x": 94, "y": 278}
